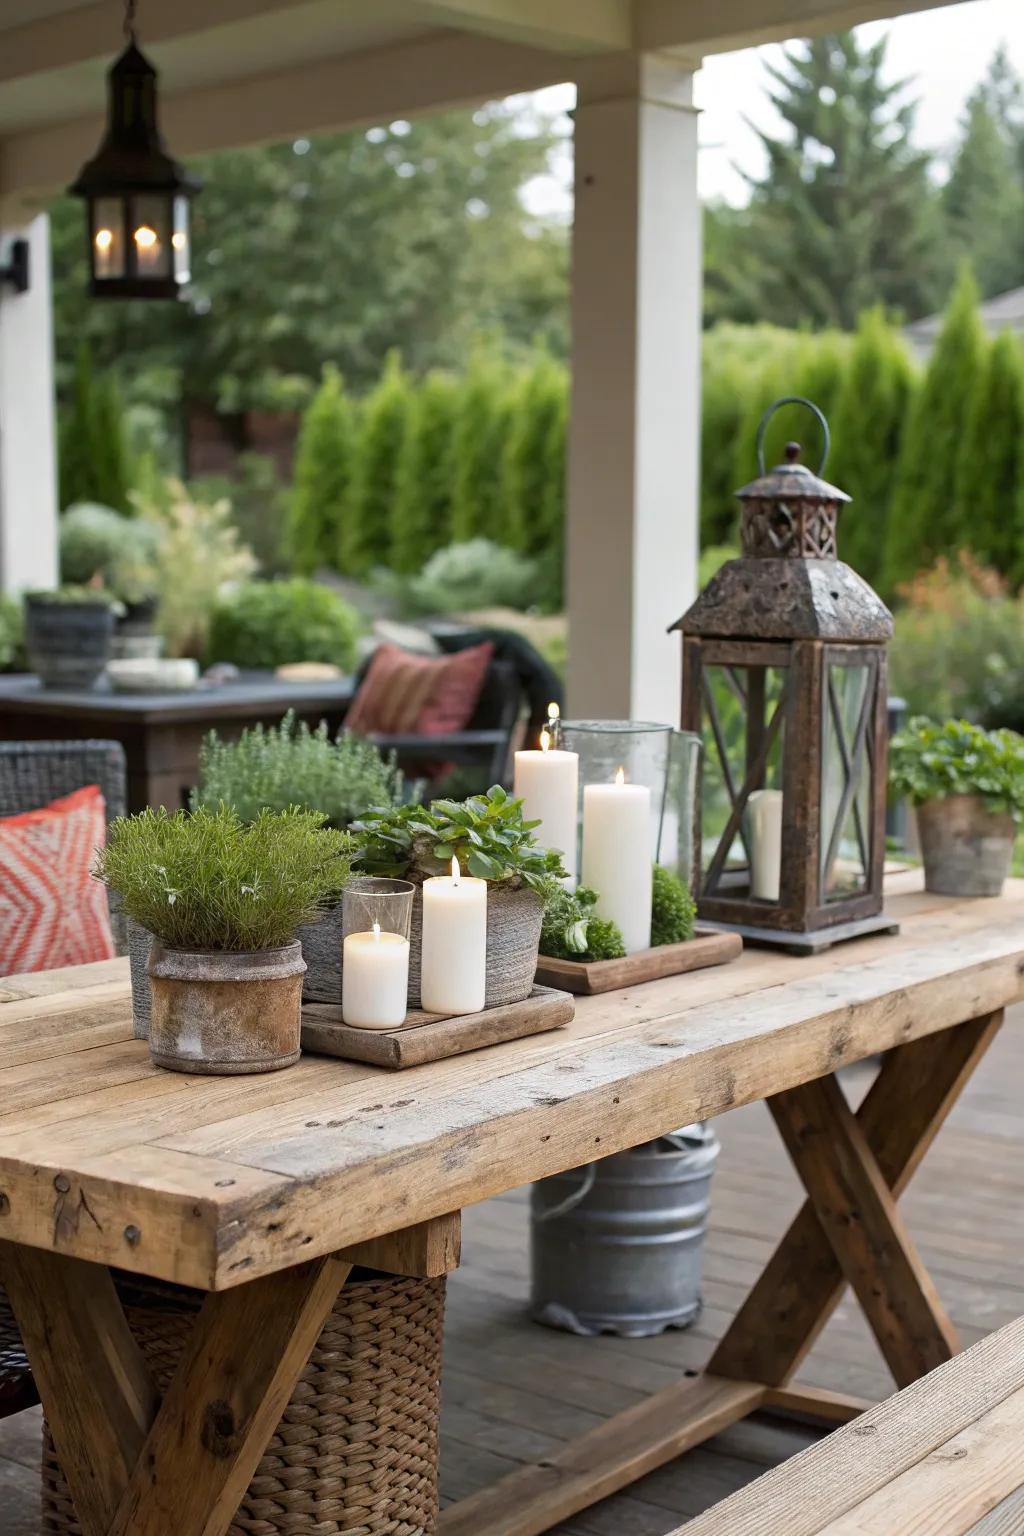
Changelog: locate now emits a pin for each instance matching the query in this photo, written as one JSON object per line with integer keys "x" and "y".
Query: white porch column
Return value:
{"x": 28, "y": 450}
{"x": 634, "y": 439}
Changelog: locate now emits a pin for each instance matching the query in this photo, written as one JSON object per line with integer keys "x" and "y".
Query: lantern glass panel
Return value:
{"x": 151, "y": 234}
{"x": 846, "y": 772}
{"x": 744, "y": 719}
{"x": 108, "y": 238}
{"x": 180, "y": 241}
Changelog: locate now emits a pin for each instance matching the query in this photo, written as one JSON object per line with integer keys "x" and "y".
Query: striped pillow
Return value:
{"x": 52, "y": 912}
{"x": 406, "y": 695}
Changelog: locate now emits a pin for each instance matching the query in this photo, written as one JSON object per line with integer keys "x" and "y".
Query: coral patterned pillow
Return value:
{"x": 404, "y": 695}
{"x": 52, "y": 912}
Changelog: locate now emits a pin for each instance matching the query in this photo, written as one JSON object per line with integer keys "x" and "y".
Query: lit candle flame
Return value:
{"x": 456, "y": 871}
{"x": 554, "y": 713}
{"x": 545, "y": 741}
{"x": 104, "y": 239}
{"x": 620, "y": 777}
{"x": 376, "y": 932}
{"x": 145, "y": 238}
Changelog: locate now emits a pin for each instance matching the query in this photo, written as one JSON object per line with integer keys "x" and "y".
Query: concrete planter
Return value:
{"x": 966, "y": 848}
{"x": 219, "y": 1013}
{"x": 68, "y": 644}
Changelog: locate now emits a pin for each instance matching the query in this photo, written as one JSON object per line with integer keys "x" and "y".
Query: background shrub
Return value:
{"x": 269, "y": 623}
{"x": 321, "y": 497}
{"x": 463, "y": 577}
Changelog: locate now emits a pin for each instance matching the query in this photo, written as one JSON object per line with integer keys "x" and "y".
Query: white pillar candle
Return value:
{"x": 547, "y": 782}
{"x": 764, "y": 822}
{"x": 454, "y": 962}
{"x": 617, "y": 856}
{"x": 375, "y": 979}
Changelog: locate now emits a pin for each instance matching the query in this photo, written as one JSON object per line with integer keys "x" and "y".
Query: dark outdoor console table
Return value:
{"x": 161, "y": 732}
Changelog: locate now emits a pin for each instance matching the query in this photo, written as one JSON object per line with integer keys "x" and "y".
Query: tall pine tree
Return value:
{"x": 867, "y": 430}
{"x": 983, "y": 200}
{"x": 321, "y": 497}
{"x": 990, "y": 474}
{"x": 845, "y": 215}
{"x": 923, "y": 521}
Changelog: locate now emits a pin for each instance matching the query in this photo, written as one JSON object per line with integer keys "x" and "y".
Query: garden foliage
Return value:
{"x": 269, "y": 623}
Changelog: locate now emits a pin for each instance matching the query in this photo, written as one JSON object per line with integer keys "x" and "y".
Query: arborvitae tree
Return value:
{"x": 845, "y": 214}
{"x": 93, "y": 451}
{"x": 366, "y": 535}
{"x": 726, "y": 387}
{"x": 477, "y": 448}
{"x": 538, "y": 402}
{"x": 423, "y": 486}
{"x": 990, "y": 474}
{"x": 923, "y": 516}
{"x": 790, "y": 368}
{"x": 867, "y": 430}
{"x": 983, "y": 200}
{"x": 552, "y": 556}
{"x": 321, "y": 498}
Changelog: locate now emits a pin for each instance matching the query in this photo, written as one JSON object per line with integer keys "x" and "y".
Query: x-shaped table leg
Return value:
{"x": 137, "y": 1466}
{"x": 854, "y": 1167}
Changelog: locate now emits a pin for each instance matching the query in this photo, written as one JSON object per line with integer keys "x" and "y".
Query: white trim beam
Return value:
{"x": 428, "y": 74}
{"x": 565, "y": 25}
{"x": 720, "y": 26}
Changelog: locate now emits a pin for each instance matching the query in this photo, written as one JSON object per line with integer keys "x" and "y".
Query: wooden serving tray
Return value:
{"x": 707, "y": 947}
{"x": 432, "y": 1036}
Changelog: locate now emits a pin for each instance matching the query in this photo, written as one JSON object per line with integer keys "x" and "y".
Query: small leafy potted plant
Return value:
{"x": 224, "y": 900}
{"x": 68, "y": 635}
{"x": 290, "y": 765}
{"x": 967, "y": 786}
{"x": 492, "y": 841}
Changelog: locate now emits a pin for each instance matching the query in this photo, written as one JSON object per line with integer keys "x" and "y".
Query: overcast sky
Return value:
{"x": 946, "y": 52}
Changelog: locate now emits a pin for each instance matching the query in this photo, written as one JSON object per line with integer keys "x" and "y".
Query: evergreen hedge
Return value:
{"x": 932, "y": 456}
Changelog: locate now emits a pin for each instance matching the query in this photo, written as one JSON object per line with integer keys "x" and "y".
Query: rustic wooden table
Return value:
{"x": 262, "y": 1191}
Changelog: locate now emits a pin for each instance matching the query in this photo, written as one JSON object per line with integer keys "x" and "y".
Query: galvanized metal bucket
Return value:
{"x": 617, "y": 1246}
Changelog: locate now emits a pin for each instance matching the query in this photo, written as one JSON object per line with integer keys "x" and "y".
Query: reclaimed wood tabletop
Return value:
{"x": 213, "y": 1181}
{"x": 264, "y": 1191}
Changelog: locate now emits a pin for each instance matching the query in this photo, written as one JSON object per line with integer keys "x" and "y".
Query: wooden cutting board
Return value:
{"x": 431, "y": 1036}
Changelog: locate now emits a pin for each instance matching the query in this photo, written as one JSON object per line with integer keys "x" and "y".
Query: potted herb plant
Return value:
{"x": 492, "y": 841}
{"x": 288, "y": 765}
{"x": 224, "y": 900}
{"x": 68, "y": 635}
{"x": 572, "y": 929}
{"x": 967, "y": 786}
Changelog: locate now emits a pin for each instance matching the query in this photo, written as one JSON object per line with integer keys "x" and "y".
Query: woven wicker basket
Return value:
{"x": 356, "y": 1453}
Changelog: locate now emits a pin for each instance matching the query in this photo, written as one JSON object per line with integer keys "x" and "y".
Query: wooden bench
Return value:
{"x": 944, "y": 1457}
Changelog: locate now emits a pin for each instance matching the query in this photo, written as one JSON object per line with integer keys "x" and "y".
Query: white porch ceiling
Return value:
{"x": 241, "y": 71}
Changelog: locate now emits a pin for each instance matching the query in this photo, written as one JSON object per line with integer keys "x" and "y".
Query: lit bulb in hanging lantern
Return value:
{"x": 784, "y": 678}
{"x": 136, "y": 195}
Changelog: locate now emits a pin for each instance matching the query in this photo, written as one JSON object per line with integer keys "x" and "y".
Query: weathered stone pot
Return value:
{"x": 966, "y": 848}
{"x": 321, "y": 949}
{"x": 68, "y": 644}
{"x": 513, "y": 944}
{"x": 219, "y": 1013}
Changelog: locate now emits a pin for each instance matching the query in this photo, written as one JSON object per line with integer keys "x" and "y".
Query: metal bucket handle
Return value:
{"x": 571, "y": 1201}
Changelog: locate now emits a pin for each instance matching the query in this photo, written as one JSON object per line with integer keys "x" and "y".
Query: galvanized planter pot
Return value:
{"x": 966, "y": 848}
{"x": 513, "y": 943}
{"x": 218, "y": 1013}
{"x": 68, "y": 644}
{"x": 617, "y": 1247}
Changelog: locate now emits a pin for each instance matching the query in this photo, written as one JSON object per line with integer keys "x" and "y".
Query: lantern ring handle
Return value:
{"x": 794, "y": 400}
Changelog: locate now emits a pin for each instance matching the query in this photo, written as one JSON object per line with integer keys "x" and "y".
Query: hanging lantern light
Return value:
{"x": 784, "y": 677}
{"x": 136, "y": 195}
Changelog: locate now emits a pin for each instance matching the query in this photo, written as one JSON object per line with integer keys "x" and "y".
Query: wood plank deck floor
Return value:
{"x": 513, "y": 1390}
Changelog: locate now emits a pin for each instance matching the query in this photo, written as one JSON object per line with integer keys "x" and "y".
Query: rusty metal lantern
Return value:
{"x": 784, "y": 679}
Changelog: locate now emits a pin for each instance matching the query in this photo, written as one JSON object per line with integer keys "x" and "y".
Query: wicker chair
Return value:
{"x": 32, "y": 773}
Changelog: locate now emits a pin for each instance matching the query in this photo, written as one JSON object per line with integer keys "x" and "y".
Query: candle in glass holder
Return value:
{"x": 375, "y": 979}
{"x": 454, "y": 964}
{"x": 618, "y": 858}
{"x": 547, "y": 782}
